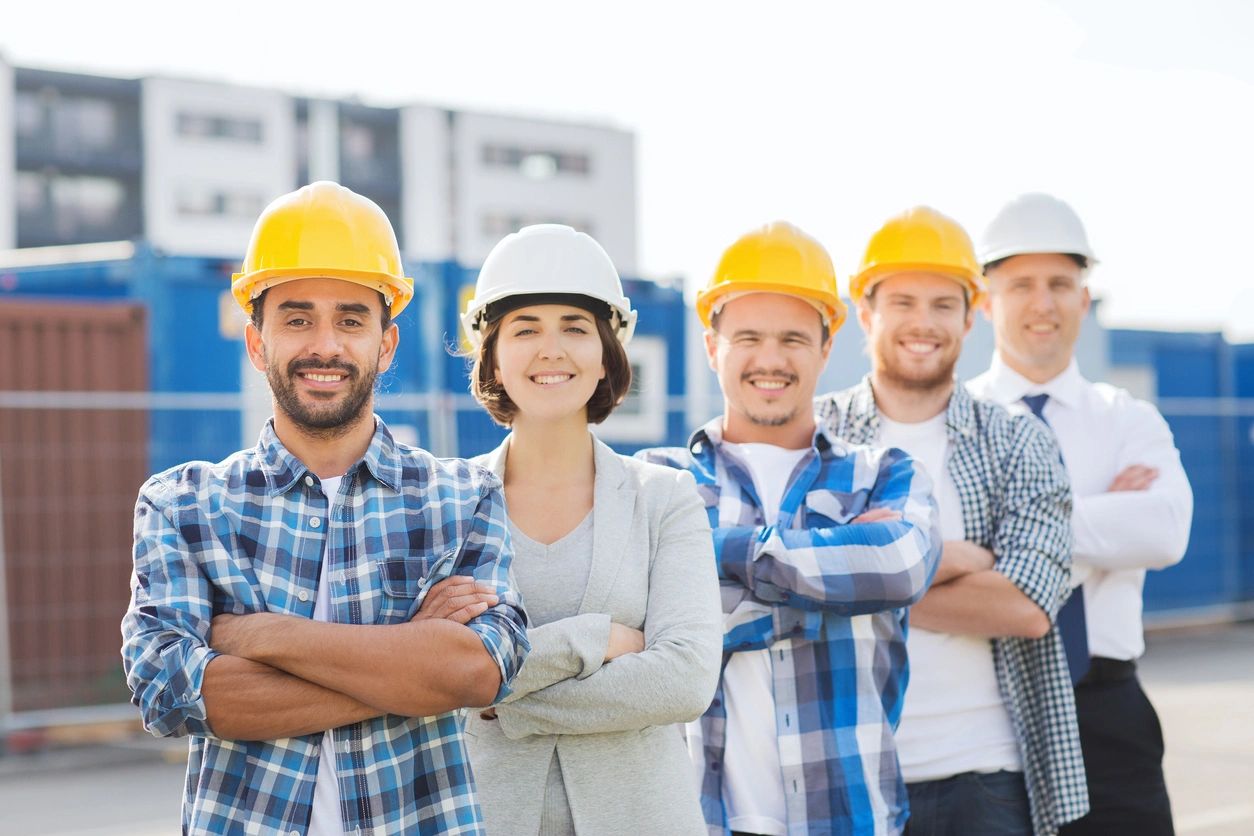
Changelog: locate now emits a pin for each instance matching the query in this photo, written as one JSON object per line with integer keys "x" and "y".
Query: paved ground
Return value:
{"x": 1202, "y": 682}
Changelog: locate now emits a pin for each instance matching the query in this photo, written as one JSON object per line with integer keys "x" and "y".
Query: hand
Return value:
{"x": 459, "y": 598}
{"x": 876, "y": 515}
{"x": 1136, "y": 477}
{"x": 623, "y": 640}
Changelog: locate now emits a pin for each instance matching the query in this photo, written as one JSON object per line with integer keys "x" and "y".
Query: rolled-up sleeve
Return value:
{"x": 1033, "y": 542}
{"x": 487, "y": 555}
{"x": 165, "y": 629}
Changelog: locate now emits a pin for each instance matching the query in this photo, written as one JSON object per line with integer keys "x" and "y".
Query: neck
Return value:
{"x": 1043, "y": 373}
{"x": 327, "y": 453}
{"x": 908, "y": 405}
{"x": 795, "y": 435}
{"x": 549, "y": 452}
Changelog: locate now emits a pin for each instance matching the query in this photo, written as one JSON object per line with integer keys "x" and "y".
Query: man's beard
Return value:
{"x": 336, "y": 417}
{"x": 776, "y": 420}
{"x": 888, "y": 369}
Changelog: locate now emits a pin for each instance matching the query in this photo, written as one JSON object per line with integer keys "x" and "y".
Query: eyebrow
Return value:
{"x": 752, "y": 332}
{"x": 343, "y": 307}
{"x": 565, "y": 318}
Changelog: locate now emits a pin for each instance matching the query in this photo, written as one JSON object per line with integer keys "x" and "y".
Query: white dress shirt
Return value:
{"x": 1118, "y": 535}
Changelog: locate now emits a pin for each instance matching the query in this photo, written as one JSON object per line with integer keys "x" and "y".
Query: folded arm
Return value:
{"x": 1130, "y": 528}
{"x": 1021, "y": 594}
{"x": 421, "y": 667}
{"x": 673, "y": 678}
{"x": 846, "y": 569}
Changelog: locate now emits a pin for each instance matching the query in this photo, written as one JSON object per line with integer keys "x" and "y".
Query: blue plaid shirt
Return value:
{"x": 834, "y": 620}
{"x": 1016, "y": 501}
{"x": 234, "y": 537}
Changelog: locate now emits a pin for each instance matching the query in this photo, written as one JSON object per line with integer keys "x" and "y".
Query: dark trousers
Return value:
{"x": 970, "y": 804}
{"x": 1123, "y": 755}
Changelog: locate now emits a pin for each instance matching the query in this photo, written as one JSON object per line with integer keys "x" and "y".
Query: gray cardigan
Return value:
{"x": 624, "y": 759}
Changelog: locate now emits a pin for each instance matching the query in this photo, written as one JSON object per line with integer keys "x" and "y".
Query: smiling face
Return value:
{"x": 768, "y": 352}
{"x": 915, "y": 324}
{"x": 321, "y": 345}
{"x": 549, "y": 360}
{"x": 1037, "y": 303}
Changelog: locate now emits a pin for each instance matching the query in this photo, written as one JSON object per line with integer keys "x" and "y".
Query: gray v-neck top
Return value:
{"x": 553, "y": 578}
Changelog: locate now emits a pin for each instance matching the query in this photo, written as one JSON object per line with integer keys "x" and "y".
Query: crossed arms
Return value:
{"x": 264, "y": 675}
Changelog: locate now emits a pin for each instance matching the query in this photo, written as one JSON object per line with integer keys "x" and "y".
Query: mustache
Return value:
{"x": 773, "y": 374}
{"x": 310, "y": 363}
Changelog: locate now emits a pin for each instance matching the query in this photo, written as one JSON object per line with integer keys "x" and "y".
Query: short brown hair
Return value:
{"x": 610, "y": 391}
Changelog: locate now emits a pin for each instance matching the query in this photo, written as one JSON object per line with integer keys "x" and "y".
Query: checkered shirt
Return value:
{"x": 829, "y": 601}
{"x": 237, "y": 537}
{"x": 1016, "y": 501}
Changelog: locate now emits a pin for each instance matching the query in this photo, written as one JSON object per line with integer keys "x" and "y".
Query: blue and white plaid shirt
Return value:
{"x": 834, "y": 620}
{"x": 1016, "y": 501}
{"x": 247, "y": 535}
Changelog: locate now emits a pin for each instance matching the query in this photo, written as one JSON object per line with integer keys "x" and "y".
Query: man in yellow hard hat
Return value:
{"x": 315, "y": 611}
{"x": 988, "y": 739}
{"x": 1133, "y": 502}
{"x": 799, "y": 736}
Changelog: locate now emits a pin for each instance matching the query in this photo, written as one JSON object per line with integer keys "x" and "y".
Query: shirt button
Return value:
{"x": 309, "y": 481}
{"x": 347, "y": 747}
{"x": 314, "y": 522}
{"x": 303, "y": 596}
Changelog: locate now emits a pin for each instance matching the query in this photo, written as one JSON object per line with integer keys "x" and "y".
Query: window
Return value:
{"x": 28, "y": 113}
{"x": 497, "y": 225}
{"x": 536, "y": 163}
{"x": 205, "y": 203}
{"x": 641, "y": 418}
{"x": 211, "y": 126}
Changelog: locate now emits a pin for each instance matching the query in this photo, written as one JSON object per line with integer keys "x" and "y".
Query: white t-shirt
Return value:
{"x": 753, "y": 802}
{"x": 954, "y": 719}
{"x": 325, "y": 819}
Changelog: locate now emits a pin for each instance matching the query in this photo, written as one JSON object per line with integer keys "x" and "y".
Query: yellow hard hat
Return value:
{"x": 919, "y": 240}
{"x": 323, "y": 231}
{"x": 776, "y": 258}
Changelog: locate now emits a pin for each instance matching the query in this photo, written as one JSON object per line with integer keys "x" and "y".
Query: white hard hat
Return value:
{"x": 548, "y": 264}
{"x": 1034, "y": 223}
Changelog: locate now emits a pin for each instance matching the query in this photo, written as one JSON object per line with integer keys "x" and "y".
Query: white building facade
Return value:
{"x": 187, "y": 166}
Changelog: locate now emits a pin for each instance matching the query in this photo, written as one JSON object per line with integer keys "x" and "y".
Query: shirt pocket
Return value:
{"x": 405, "y": 581}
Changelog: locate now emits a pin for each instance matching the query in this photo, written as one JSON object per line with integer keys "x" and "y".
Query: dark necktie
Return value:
{"x": 1071, "y": 621}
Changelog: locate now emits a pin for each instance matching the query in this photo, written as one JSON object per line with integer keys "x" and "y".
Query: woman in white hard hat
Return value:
{"x": 613, "y": 556}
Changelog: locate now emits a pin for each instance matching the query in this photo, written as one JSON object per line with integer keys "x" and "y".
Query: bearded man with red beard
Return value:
{"x": 988, "y": 740}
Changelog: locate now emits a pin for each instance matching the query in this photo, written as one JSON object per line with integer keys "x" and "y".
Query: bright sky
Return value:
{"x": 832, "y": 115}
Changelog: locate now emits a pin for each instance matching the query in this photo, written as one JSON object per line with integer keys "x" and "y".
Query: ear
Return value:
{"x": 387, "y": 348}
{"x": 986, "y": 305}
{"x": 1088, "y": 301}
{"x": 865, "y": 312}
{"x": 711, "y": 348}
{"x": 255, "y": 347}
{"x": 970, "y": 321}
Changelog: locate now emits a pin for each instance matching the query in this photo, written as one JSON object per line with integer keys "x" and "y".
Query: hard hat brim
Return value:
{"x": 397, "y": 291}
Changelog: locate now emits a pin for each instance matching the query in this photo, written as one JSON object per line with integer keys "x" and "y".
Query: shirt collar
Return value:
{"x": 711, "y": 435}
{"x": 282, "y": 469}
{"x": 864, "y": 416}
{"x": 1008, "y": 386}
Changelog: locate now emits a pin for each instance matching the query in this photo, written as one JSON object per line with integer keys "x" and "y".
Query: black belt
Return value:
{"x": 1102, "y": 670}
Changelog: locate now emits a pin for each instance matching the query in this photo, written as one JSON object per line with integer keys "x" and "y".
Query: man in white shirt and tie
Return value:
{"x": 1133, "y": 504}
